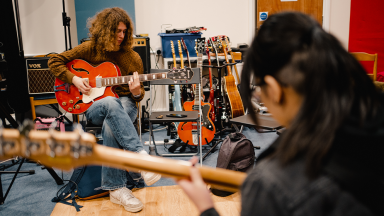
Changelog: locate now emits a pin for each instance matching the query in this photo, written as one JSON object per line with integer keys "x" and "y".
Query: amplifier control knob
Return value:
{"x": 77, "y": 106}
{"x": 64, "y": 104}
{"x": 70, "y": 109}
{"x": 71, "y": 101}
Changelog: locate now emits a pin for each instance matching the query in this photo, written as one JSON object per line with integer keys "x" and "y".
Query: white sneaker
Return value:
{"x": 123, "y": 196}
{"x": 149, "y": 178}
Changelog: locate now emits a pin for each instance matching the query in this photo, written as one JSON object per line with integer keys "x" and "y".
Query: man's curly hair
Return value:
{"x": 103, "y": 28}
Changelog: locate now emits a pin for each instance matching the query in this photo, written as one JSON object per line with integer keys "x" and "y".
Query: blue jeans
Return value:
{"x": 116, "y": 117}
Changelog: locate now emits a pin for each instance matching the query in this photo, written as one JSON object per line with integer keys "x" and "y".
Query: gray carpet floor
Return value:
{"x": 31, "y": 194}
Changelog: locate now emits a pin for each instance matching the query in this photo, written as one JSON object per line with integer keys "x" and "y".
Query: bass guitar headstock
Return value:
{"x": 180, "y": 74}
{"x": 172, "y": 48}
{"x": 179, "y": 46}
{"x": 60, "y": 150}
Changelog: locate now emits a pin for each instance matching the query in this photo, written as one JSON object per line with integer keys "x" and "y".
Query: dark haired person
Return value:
{"x": 111, "y": 32}
{"x": 329, "y": 160}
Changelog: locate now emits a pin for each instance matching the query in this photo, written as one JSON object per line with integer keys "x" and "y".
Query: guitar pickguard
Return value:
{"x": 95, "y": 93}
{"x": 206, "y": 123}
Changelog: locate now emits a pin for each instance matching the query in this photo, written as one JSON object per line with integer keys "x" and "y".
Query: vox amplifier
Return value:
{"x": 40, "y": 78}
{"x": 142, "y": 46}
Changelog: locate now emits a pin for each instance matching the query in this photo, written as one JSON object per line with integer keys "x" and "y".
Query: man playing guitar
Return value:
{"x": 111, "y": 34}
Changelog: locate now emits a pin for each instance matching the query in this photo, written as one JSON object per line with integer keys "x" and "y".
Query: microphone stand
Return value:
{"x": 66, "y": 24}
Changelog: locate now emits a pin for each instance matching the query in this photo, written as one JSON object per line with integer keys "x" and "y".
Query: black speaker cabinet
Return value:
{"x": 142, "y": 46}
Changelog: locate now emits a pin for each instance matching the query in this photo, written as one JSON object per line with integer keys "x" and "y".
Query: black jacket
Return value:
{"x": 351, "y": 182}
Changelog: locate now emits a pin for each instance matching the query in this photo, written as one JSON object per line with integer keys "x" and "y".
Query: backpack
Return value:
{"x": 236, "y": 153}
{"x": 82, "y": 185}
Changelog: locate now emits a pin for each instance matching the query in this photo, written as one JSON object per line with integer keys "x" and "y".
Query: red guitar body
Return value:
{"x": 208, "y": 130}
{"x": 70, "y": 98}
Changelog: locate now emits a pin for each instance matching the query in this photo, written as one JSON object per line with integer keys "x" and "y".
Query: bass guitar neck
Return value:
{"x": 68, "y": 150}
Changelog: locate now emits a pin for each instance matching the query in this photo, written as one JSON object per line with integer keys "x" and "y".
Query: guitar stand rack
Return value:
{"x": 58, "y": 180}
{"x": 219, "y": 127}
{"x": 192, "y": 116}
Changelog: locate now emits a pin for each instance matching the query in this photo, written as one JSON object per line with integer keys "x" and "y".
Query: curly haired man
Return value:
{"x": 111, "y": 34}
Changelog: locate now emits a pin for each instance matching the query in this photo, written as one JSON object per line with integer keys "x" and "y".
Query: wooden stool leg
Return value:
{"x": 32, "y": 100}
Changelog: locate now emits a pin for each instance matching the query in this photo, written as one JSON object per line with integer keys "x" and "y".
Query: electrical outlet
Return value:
{"x": 158, "y": 51}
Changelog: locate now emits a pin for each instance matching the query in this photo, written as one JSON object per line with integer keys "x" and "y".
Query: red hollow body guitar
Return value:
{"x": 103, "y": 79}
{"x": 188, "y": 130}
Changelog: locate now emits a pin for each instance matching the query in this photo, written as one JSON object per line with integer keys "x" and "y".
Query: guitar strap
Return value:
{"x": 73, "y": 203}
{"x": 176, "y": 145}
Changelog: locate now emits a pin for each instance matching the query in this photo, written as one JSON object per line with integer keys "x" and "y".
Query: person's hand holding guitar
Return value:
{"x": 82, "y": 85}
{"x": 134, "y": 85}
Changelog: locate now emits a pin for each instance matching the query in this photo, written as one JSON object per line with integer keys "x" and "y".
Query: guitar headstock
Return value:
{"x": 221, "y": 42}
{"x": 180, "y": 74}
{"x": 213, "y": 45}
{"x": 55, "y": 149}
{"x": 179, "y": 45}
{"x": 227, "y": 43}
{"x": 200, "y": 45}
{"x": 172, "y": 47}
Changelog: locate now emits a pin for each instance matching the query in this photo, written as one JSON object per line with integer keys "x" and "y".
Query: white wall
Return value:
{"x": 338, "y": 15}
{"x": 220, "y": 17}
{"x": 42, "y": 27}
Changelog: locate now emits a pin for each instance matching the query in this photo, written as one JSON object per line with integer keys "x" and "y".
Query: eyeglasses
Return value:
{"x": 256, "y": 93}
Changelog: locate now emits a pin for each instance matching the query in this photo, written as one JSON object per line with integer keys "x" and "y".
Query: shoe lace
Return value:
{"x": 126, "y": 193}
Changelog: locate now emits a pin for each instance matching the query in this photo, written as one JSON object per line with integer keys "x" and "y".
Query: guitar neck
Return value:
{"x": 69, "y": 150}
{"x": 233, "y": 61}
{"x": 112, "y": 81}
{"x": 199, "y": 65}
{"x": 227, "y": 60}
{"x": 210, "y": 71}
{"x": 174, "y": 60}
{"x": 181, "y": 60}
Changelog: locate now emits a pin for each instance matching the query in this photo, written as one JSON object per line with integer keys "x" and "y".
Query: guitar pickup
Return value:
{"x": 98, "y": 82}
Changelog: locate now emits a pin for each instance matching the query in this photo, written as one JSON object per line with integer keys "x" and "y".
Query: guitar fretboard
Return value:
{"x": 111, "y": 81}
{"x": 197, "y": 90}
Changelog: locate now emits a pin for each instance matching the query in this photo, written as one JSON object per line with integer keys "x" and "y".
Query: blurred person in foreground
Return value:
{"x": 329, "y": 160}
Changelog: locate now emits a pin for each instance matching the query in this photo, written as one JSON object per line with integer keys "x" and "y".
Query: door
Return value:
{"x": 266, "y": 8}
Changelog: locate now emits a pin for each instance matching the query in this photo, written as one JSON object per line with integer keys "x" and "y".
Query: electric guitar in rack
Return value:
{"x": 176, "y": 99}
{"x": 230, "y": 88}
{"x": 211, "y": 98}
{"x": 173, "y": 54}
{"x": 67, "y": 150}
{"x": 188, "y": 130}
{"x": 103, "y": 79}
{"x": 186, "y": 51}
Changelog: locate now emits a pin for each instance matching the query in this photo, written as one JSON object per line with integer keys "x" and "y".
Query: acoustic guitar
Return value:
{"x": 67, "y": 150}
{"x": 188, "y": 130}
{"x": 230, "y": 88}
{"x": 233, "y": 59}
{"x": 103, "y": 79}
